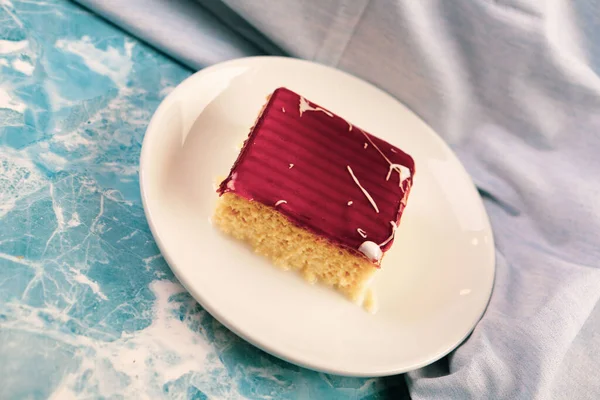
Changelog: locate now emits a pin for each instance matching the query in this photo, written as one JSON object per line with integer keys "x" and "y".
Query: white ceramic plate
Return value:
{"x": 435, "y": 282}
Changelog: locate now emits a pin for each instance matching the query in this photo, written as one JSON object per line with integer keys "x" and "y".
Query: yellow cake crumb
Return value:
{"x": 288, "y": 246}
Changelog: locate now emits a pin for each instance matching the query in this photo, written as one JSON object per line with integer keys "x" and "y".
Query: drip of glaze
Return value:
{"x": 305, "y": 106}
{"x": 402, "y": 171}
{"x": 367, "y": 195}
{"x": 406, "y": 192}
{"x": 386, "y": 241}
{"x": 231, "y": 183}
{"x": 393, "y": 167}
{"x": 371, "y": 250}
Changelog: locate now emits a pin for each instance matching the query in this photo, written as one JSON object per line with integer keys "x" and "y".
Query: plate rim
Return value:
{"x": 206, "y": 305}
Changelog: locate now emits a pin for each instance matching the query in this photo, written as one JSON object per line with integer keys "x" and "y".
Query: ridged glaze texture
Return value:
{"x": 319, "y": 146}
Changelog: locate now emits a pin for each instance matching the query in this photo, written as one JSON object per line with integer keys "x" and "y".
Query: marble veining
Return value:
{"x": 88, "y": 307}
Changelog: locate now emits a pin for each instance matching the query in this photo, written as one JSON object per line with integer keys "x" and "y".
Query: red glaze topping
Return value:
{"x": 310, "y": 164}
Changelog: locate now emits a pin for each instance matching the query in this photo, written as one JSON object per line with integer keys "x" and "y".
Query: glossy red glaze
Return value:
{"x": 317, "y": 188}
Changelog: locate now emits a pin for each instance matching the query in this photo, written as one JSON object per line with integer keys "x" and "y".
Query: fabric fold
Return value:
{"x": 185, "y": 30}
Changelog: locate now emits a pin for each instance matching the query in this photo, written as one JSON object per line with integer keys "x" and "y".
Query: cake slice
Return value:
{"x": 314, "y": 193}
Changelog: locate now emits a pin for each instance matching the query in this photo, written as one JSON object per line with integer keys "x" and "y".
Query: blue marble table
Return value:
{"x": 88, "y": 307}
